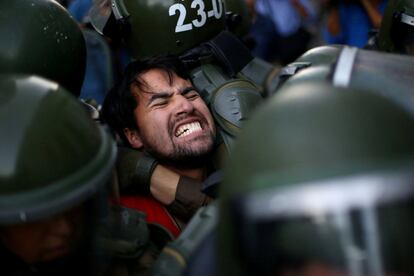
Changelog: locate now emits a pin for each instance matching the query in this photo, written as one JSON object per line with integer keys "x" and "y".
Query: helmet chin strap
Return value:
{"x": 232, "y": 54}
{"x": 225, "y": 48}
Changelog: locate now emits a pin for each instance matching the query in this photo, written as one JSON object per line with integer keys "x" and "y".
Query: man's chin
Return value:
{"x": 185, "y": 157}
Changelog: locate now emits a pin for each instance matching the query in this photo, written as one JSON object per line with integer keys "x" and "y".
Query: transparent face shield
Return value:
{"x": 100, "y": 13}
{"x": 104, "y": 14}
{"x": 351, "y": 226}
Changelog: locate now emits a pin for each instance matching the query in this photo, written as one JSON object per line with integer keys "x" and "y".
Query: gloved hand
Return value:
{"x": 134, "y": 170}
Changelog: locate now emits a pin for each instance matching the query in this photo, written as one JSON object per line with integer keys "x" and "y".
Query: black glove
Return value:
{"x": 188, "y": 198}
{"x": 134, "y": 170}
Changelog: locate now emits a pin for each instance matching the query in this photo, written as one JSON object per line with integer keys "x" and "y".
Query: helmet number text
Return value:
{"x": 217, "y": 8}
{"x": 202, "y": 15}
{"x": 200, "y": 12}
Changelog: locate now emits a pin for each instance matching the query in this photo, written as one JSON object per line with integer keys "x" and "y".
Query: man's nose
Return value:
{"x": 183, "y": 105}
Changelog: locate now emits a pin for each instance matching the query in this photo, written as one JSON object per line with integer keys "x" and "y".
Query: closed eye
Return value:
{"x": 159, "y": 99}
{"x": 159, "y": 102}
{"x": 191, "y": 94}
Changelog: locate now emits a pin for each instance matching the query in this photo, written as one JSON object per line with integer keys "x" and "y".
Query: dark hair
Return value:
{"x": 120, "y": 103}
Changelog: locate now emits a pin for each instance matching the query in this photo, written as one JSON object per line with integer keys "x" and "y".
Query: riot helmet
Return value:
{"x": 320, "y": 183}
{"x": 396, "y": 32}
{"x": 158, "y": 27}
{"x": 41, "y": 38}
{"x": 54, "y": 156}
{"x": 238, "y": 17}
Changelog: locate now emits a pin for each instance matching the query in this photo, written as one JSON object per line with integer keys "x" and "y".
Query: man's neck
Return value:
{"x": 196, "y": 173}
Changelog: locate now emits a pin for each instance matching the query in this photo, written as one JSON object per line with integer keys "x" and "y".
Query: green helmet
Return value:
{"x": 238, "y": 17}
{"x": 396, "y": 32}
{"x": 53, "y": 156}
{"x": 41, "y": 38}
{"x": 320, "y": 55}
{"x": 159, "y": 27}
{"x": 387, "y": 74}
{"x": 321, "y": 177}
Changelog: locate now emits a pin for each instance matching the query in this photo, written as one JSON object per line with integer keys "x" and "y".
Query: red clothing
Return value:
{"x": 155, "y": 211}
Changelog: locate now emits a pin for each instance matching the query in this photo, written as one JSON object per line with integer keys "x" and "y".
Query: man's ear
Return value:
{"x": 133, "y": 137}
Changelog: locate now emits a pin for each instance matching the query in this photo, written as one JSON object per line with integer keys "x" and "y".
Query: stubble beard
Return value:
{"x": 184, "y": 156}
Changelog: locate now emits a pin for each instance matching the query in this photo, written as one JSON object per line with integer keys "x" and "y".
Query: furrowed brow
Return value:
{"x": 160, "y": 95}
{"x": 187, "y": 89}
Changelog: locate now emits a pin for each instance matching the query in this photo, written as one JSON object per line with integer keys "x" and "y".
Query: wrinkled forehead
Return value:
{"x": 158, "y": 81}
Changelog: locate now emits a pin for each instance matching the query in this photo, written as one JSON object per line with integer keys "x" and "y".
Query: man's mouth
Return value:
{"x": 187, "y": 129}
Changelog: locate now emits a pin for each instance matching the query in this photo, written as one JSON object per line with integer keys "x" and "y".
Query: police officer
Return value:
{"x": 55, "y": 174}
{"x": 327, "y": 190}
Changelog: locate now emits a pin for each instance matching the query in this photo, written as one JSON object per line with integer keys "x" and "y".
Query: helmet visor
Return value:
{"x": 361, "y": 228}
{"x": 99, "y": 14}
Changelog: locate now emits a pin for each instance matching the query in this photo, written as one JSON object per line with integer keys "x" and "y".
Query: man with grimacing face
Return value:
{"x": 158, "y": 112}
{"x": 173, "y": 122}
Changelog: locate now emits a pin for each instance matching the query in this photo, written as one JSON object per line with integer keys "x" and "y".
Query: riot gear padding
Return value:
{"x": 327, "y": 185}
{"x": 54, "y": 156}
{"x": 41, "y": 38}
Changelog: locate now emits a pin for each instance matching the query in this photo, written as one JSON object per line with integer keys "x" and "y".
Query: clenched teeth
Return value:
{"x": 187, "y": 129}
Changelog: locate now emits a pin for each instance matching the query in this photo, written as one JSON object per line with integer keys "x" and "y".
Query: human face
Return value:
{"x": 44, "y": 240}
{"x": 174, "y": 123}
